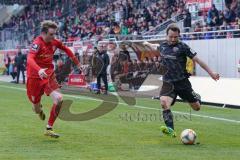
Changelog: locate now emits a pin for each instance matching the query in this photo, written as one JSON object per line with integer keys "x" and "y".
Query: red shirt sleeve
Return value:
{"x": 61, "y": 46}
{"x": 32, "y": 55}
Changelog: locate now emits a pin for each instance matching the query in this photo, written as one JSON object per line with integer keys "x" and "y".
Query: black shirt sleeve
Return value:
{"x": 188, "y": 51}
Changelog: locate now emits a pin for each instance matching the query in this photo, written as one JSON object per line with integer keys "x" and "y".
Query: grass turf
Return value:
{"x": 127, "y": 132}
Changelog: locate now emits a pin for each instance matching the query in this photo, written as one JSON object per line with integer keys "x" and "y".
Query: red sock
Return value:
{"x": 53, "y": 116}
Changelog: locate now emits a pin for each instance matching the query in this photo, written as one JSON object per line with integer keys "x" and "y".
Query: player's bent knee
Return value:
{"x": 57, "y": 97}
{"x": 164, "y": 103}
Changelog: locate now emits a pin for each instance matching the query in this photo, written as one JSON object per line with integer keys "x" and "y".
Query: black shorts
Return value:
{"x": 182, "y": 88}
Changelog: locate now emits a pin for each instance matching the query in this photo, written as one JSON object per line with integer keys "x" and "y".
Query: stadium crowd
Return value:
{"x": 215, "y": 20}
{"x": 81, "y": 19}
{"x": 84, "y": 19}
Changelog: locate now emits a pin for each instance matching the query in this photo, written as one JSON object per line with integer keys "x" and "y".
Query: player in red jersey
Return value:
{"x": 40, "y": 73}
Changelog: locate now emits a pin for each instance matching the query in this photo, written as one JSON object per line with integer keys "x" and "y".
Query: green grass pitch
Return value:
{"x": 128, "y": 132}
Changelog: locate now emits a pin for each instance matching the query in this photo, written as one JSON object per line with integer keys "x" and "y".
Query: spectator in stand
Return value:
{"x": 141, "y": 65}
{"x": 229, "y": 15}
{"x": 124, "y": 30}
{"x": 7, "y": 61}
{"x": 237, "y": 33}
{"x": 135, "y": 66}
{"x": 125, "y": 53}
{"x": 221, "y": 18}
{"x": 132, "y": 16}
{"x": 187, "y": 23}
{"x": 213, "y": 16}
{"x": 104, "y": 58}
{"x": 114, "y": 67}
{"x": 155, "y": 59}
{"x": 150, "y": 64}
{"x": 12, "y": 71}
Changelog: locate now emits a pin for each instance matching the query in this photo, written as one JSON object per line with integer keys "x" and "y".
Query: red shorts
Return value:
{"x": 37, "y": 87}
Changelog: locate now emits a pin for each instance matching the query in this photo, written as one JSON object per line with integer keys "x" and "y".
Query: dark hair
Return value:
{"x": 173, "y": 28}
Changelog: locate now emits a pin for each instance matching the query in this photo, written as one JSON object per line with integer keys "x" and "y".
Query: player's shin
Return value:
{"x": 168, "y": 118}
{"x": 37, "y": 108}
{"x": 54, "y": 114}
{"x": 52, "y": 117}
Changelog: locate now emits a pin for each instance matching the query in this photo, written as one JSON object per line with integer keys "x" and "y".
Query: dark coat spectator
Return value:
{"x": 187, "y": 23}
{"x": 213, "y": 16}
{"x": 20, "y": 62}
{"x": 104, "y": 58}
{"x": 229, "y": 15}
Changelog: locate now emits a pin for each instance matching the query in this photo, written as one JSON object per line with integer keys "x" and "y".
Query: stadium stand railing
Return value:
{"x": 9, "y": 38}
{"x": 219, "y": 34}
{"x": 163, "y": 26}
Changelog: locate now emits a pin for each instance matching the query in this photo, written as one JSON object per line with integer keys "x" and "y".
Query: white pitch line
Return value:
{"x": 136, "y": 106}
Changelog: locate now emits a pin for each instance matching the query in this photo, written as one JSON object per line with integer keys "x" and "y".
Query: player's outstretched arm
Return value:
{"x": 214, "y": 75}
{"x": 70, "y": 54}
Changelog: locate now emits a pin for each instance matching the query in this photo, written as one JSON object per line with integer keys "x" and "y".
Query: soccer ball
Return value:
{"x": 188, "y": 136}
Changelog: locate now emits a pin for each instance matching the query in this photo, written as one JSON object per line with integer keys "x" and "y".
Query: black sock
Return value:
{"x": 168, "y": 118}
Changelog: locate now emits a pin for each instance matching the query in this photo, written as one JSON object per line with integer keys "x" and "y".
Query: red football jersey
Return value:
{"x": 41, "y": 56}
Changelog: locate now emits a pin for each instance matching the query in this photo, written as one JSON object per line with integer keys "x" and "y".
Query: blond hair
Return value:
{"x": 45, "y": 25}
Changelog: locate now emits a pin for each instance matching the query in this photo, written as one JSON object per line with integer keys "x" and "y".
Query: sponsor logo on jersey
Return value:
{"x": 175, "y": 49}
{"x": 35, "y": 47}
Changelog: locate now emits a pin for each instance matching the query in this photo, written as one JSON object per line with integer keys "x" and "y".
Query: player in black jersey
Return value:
{"x": 174, "y": 55}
